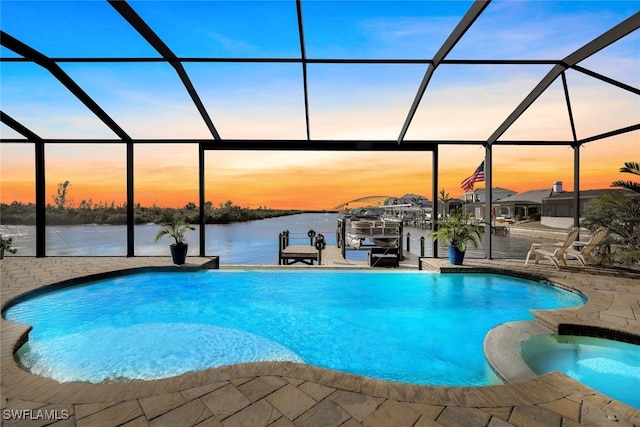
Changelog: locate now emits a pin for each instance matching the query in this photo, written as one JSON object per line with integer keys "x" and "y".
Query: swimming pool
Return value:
{"x": 403, "y": 326}
{"x": 612, "y": 367}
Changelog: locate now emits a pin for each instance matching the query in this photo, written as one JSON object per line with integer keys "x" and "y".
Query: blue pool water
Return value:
{"x": 404, "y": 326}
{"x": 611, "y": 367}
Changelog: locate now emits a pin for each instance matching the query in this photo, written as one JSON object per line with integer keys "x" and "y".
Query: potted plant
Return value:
{"x": 5, "y": 245}
{"x": 176, "y": 228}
{"x": 458, "y": 231}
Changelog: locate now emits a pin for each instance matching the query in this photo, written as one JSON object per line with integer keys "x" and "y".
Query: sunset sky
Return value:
{"x": 257, "y": 100}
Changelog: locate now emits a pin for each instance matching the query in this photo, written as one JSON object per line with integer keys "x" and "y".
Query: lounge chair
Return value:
{"x": 583, "y": 251}
{"x": 556, "y": 253}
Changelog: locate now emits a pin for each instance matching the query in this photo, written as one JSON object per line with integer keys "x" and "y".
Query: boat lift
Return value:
{"x": 384, "y": 237}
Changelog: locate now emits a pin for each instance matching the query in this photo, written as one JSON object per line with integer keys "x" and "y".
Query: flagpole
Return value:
{"x": 488, "y": 174}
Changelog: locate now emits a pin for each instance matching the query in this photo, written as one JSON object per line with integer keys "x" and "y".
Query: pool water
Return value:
{"x": 611, "y": 367}
{"x": 413, "y": 327}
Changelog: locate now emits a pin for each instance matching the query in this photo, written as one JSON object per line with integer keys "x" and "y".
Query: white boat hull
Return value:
{"x": 384, "y": 233}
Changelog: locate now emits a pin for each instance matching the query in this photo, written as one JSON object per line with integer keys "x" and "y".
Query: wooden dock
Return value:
{"x": 332, "y": 256}
{"x": 306, "y": 255}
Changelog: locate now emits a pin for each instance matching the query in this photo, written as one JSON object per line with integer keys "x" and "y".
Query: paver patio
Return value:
{"x": 292, "y": 394}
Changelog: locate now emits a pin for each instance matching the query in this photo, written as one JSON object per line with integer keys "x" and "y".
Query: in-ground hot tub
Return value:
{"x": 611, "y": 367}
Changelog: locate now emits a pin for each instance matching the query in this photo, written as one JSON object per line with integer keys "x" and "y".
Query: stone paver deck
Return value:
{"x": 292, "y": 394}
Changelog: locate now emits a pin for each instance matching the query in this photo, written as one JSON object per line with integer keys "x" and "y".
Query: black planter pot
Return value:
{"x": 179, "y": 253}
{"x": 456, "y": 256}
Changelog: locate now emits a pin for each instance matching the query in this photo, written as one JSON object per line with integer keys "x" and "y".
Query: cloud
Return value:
{"x": 539, "y": 29}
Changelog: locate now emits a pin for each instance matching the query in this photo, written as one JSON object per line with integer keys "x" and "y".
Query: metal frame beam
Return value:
{"x": 465, "y": 23}
{"x": 398, "y": 61}
{"x": 610, "y": 133}
{"x": 28, "y": 52}
{"x": 576, "y": 185}
{"x": 261, "y": 144}
{"x": 576, "y": 154}
{"x": 317, "y": 145}
{"x": 19, "y": 127}
{"x": 217, "y": 143}
{"x": 303, "y": 56}
{"x": 434, "y": 195}
{"x": 45, "y": 62}
{"x": 614, "y": 34}
{"x": 130, "y": 15}
{"x": 606, "y": 79}
{"x": 40, "y": 180}
{"x": 488, "y": 178}
{"x": 201, "y": 197}
{"x": 569, "y": 109}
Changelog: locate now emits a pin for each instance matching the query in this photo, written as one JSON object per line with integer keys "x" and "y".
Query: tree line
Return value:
{"x": 62, "y": 212}
{"x": 18, "y": 213}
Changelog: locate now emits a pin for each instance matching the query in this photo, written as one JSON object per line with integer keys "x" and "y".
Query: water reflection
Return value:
{"x": 248, "y": 243}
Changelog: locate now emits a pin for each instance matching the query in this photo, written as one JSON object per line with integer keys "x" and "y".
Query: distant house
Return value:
{"x": 414, "y": 209}
{"x": 409, "y": 199}
{"x": 558, "y": 209}
{"x": 478, "y": 195}
{"x": 475, "y": 200}
{"x": 455, "y": 204}
{"x": 523, "y": 205}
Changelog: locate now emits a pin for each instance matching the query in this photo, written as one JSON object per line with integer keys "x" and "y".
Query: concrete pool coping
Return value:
{"x": 285, "y": 393}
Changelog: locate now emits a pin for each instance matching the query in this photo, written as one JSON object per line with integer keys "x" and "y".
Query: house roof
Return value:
{"x": 482, "y": 189}
{"x": 526, "y": 197}
{"x": 588, "y": 194}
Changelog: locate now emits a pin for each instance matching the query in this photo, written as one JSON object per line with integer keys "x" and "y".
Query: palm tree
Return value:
{"x": 458, "y": 231}
{"x": 445, "y": 199}
{"x": 620, "y": 215}
{"x": 633, "y": 168}
{"x": 176, "y": 228}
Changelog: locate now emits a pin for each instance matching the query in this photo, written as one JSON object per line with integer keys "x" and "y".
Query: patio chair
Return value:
{"x": 583, "y": 251}
{"x": 554, "y": 252}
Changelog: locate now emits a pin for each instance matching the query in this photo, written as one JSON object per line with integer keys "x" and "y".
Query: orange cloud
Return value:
{"x": 167, "y": 174}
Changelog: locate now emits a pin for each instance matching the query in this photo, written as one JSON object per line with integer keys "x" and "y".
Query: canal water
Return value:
{"x": 245, "y": 243}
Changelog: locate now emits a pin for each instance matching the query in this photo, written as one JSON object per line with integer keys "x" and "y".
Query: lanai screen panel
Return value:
{"x": 546, "y": 119}
{"x": 317, "y": 69}
{"x": 299, "y": 74}
{"x": 469, "y": 101}
{"x": 379, "y": 29}
{"x": 539, "y": 30}
{"x": 33, "y": 97}
{"x": 73, "y": 29}
{"x": 616, "y": 62}
{"x": 147, "y": 100}
{"x": 252, "y": 100}
{"x": 599, "y": 107}
{"x": 224, "y": 29}
{"x": 360, "y": 101}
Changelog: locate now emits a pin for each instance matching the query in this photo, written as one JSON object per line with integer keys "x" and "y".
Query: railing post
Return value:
{"x": 422, "y": 246}
{"x": 320, "y": 245}
{"x": 408, "y": 242}
{"x": 280, "y": 243}
{"x": 343, "y": 238}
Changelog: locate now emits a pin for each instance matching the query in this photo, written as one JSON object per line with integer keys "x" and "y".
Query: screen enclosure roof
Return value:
{"x": 313, "y": 74}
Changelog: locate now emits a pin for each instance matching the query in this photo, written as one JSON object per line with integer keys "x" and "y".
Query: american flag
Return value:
{"x": 477, "y": 176}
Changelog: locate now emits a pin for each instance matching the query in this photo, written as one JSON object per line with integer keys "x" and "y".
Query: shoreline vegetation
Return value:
{"x": 18, "y": 213}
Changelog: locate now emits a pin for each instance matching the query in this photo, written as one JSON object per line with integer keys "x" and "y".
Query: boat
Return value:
{"x": 370, "y": 227}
